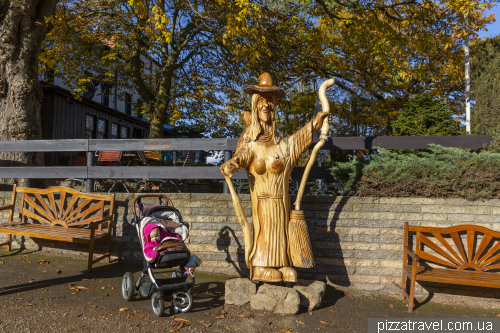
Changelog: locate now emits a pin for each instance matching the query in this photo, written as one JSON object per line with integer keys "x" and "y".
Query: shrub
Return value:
{"x": 439, "y": 172}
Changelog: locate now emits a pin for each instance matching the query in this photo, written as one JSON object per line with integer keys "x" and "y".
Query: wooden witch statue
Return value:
{"x": 268, "y": 161}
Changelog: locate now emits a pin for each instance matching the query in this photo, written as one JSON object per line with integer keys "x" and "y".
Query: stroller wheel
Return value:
{"x": 158, "y": 305}
{"x": 128, "y": 286}
{"x": 182, "y": 301}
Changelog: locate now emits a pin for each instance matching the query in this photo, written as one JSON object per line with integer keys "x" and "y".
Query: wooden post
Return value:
{"x": 227, "y": 157}
{"x": 90, "y": 163}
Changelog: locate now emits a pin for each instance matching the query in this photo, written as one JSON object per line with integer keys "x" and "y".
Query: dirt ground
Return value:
{"x": 43, "y": 293}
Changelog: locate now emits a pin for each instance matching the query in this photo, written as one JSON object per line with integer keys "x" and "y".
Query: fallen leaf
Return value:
{"x": 109, "y": 285}
{"x": 137, "y": 311}
{"x": 180, "y": 319}
{"x": 181, "y": 325}
{"x": 140, "y": 317}
{"x": 31, "y": 281}
{"x": 324, "y": 323}
{"x": 455, "y": 309}
{"x": 347, "y": 294}
{"x": 219, "y": 317}
{"x": 207, "y": 314}
{"x": 195, "y": 294}
{"x": 498, "y": 315}
{"x": 301, "y": 322}
{"x": 85, "y": 279}
{"x": 243, "y": 316}
{"x": 44, "y": 271}
{"x": 286, "y": 330}
{"x": 113, "y": 288}
{"x": 239, "y": 312}
{"x": 101, "y": 281}
{"x": 391, "y": 306}
{"x": 251, "y": 315}
{"x": 144, "y": 322}
{"x": 94, "y": 306}
{"x": 29, "y": 304}
{"x": 73, "y": 293}
{"x": 206, "y": 325}
{"x": 80, "y": 287}
{"x": 58, "y": 272}
{"x": 106, "y": 295}
{"x": 223, "y": 313}
{"x": 174, "y": 331}
{"x": 131, "y": 315}
{"x": 40, "y": 261}
{"x": 124, "y": 309}
{"x": 228, "y": 328}
{"x": 103, "y": 287}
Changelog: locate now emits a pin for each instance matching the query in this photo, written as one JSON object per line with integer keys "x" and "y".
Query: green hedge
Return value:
{"x": 438, "y": 172}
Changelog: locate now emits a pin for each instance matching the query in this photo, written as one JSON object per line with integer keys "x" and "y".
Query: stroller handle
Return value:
{"x": 159, "y": 196}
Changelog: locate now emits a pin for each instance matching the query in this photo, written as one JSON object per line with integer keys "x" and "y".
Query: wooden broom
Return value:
{"x": 298, "y": 236}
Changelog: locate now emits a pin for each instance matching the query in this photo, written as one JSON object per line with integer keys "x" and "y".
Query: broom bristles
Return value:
{"x": 300, "y": 245}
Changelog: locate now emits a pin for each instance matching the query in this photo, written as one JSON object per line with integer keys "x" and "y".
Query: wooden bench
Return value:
{"x": 440, "y": 256}
{"x": 61, "y": 214}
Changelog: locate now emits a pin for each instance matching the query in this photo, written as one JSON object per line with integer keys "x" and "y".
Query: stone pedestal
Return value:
{"x": 307, "y": 294}
{"x": 239, "y": 291}
{"x": 311, "y": 294}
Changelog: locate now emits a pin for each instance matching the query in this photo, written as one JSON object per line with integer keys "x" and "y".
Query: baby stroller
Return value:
{"x": 171, "y": 254}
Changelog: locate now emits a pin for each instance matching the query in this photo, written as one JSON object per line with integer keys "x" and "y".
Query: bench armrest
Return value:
{"x": 101, "y": 221}
{"x": 409, "y": 252}
{"x": 7, "y": 207}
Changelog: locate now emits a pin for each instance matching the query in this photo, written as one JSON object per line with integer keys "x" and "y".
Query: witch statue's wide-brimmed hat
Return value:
{"x": 265, "y": 86}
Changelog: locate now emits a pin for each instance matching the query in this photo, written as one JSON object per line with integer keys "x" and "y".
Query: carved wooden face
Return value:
{"x": 265, "y": 107}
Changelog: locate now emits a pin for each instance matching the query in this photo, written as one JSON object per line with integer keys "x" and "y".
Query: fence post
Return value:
{"x": 90, "y": 162}
{"x": 227, "y": 157}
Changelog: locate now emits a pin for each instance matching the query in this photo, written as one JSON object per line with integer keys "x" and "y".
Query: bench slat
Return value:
{"x": 46, "y": 232}
{"x": 468, "y": 278}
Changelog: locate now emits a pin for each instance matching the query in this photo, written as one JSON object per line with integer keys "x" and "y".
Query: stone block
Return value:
{"x": 239, "y": 291}
{"x": 381, "y": 224}
{"x": 412, "y": 201}
{"x": 456, "y": 209}
{"x": 311, "y": 294}
{"x": 277, "y": 299}
{"x": 378, "y": 255}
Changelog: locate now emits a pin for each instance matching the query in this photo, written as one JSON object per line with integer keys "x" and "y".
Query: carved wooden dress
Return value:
{"x": 269, "y": 162}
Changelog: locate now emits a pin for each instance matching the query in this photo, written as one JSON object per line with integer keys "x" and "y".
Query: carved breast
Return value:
{"x": 259, "y": 165}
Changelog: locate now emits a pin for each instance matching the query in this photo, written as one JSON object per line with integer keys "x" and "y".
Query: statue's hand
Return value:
{"x": 318, "y": 121}
{"x": 231, "y": 167}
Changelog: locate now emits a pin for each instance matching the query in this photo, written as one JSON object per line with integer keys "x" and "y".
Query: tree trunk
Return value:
{"x": 22, "y": 30}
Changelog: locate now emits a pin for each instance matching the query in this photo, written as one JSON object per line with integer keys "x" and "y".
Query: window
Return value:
{"x": 101, "y": 129}
{"x": 124, "y": 133}
{"x": 128, "y": 104}
{"x": 114, "y": 131}
{"x": 105, "y": 91}
{"x": 138, "y": 110}
{"x": 89, "y": 127}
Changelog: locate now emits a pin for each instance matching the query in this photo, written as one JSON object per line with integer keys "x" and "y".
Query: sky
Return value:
{"x": 493, "y": 28}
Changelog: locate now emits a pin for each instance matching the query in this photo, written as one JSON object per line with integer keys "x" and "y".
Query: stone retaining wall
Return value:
{"x": 357, "y": 242}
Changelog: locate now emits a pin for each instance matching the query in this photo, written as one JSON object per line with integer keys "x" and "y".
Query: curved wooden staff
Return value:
{"x": 243, "y": 221}
{"x": 322, "y": 139}
{"x": 300, "y": 250}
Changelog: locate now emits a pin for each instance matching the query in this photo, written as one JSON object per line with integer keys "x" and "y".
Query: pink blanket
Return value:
{"x": 149, "y": 246}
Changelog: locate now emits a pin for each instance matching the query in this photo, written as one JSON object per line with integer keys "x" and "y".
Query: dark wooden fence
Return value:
{"x": 176, "y": 172}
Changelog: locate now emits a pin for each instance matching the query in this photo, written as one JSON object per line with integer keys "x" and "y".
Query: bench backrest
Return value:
{"x": 445, "y": 246}
{"x": 62, "y": 206}
{"x": 109, "y": 156}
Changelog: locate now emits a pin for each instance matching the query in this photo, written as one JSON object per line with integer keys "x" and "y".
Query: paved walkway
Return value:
{"x": 37, "y": 294}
